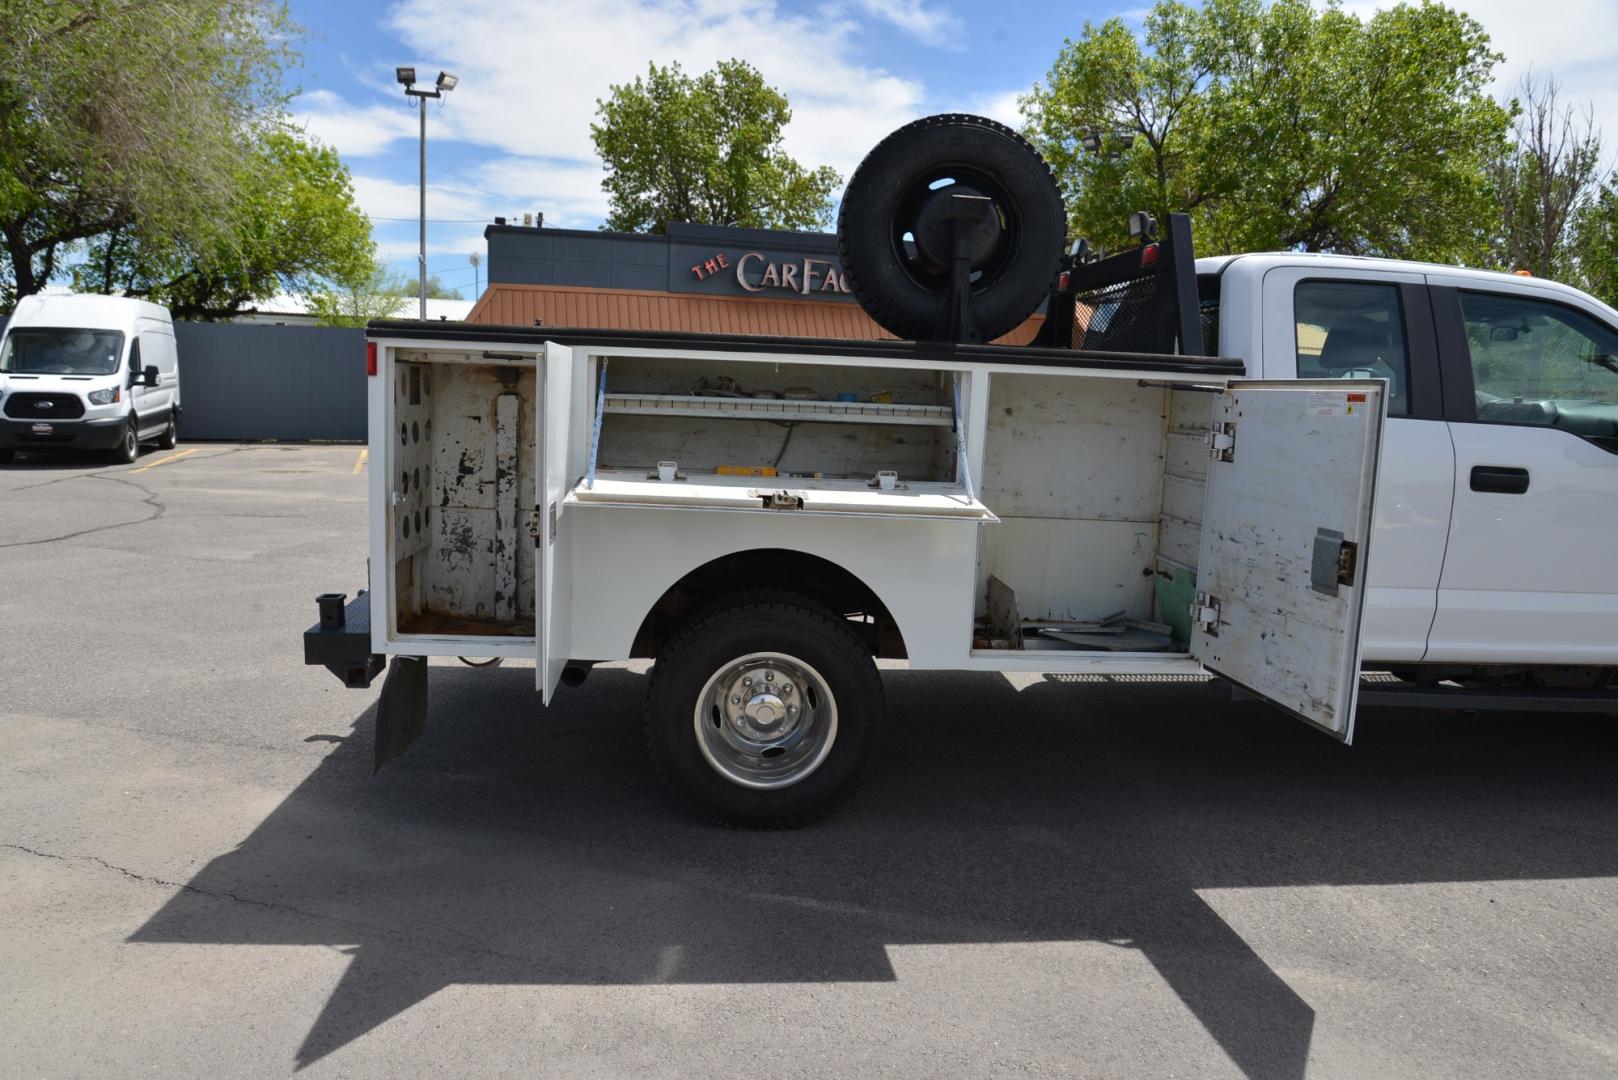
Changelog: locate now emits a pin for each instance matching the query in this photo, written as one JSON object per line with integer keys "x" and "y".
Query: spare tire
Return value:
{"x": 895, "y": 241}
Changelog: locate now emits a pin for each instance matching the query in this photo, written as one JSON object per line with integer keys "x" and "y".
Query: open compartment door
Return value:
{"x": 560, "y": 398}
{"x": 1286, "y": 528}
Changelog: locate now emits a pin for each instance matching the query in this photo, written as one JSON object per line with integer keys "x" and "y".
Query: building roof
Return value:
{"x": 634, "y": 309}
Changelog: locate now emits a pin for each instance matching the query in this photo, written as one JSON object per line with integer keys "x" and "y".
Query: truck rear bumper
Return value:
{"x": 341, "y": 641}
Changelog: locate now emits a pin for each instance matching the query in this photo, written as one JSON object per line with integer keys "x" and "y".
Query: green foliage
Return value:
{"x": 292, "y": 226}
{"x": 355, "y": 300}
{"x": 1595, "y": 244}
{"x": 120, "y": 113}
{"x": 1279, "y": 126}
{"x": 705, "y": 150}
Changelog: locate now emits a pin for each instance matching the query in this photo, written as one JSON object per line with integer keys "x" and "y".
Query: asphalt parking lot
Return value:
{"x": 199, "y": 876}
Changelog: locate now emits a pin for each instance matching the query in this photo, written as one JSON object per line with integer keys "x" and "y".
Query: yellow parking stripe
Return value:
{"x": 360, "y": 461}
{"x": 166, "y": 460}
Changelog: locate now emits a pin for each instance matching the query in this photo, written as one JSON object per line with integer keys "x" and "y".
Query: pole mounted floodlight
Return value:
{"x": 444, "y": 84}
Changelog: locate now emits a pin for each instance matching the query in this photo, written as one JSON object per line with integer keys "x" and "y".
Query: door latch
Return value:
{"x": 1335, "y": 562}
{"x": 1222, "y": 442}
{"x": 1205, "y": 613}
{"x": 781, "y": 500}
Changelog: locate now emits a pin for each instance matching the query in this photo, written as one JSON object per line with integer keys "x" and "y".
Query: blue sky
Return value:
{"x": 514, "y": 135}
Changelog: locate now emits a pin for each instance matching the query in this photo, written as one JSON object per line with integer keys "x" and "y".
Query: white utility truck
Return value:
{"x": 764, "y": 516}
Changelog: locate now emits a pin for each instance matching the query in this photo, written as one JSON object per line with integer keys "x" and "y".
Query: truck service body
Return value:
{"x": 1180, "y": 476}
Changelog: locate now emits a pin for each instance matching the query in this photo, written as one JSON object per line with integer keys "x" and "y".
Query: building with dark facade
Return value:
{"x": 697, "y": 278}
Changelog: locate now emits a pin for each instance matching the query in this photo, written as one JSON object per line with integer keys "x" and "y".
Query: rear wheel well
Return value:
{"x": 811, "y": 576}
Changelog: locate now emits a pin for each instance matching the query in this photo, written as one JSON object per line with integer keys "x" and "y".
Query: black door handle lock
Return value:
{"x": 1499, "y": 479}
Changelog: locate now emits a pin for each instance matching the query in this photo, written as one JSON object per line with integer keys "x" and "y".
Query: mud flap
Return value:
{"x": 401, "y": 710}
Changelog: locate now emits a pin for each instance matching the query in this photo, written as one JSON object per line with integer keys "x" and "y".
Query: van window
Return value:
{"x": 38, "y": 350}
{"x": 1353, "y": 329}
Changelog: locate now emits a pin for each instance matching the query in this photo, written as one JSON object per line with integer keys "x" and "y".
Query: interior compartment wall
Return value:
{"x": 460, "y": 576}
{"x": 1073, "y": 466}
{"x": 1185, "y": 482}
{"x": 701, "y": 444}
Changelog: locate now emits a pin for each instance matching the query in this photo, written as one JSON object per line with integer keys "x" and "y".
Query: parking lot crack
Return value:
{"x": 152, "y": 499}
{"x": 363, "y": 931}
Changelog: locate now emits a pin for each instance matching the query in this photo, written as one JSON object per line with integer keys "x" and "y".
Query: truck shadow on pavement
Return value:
{"x": 515, "y": 845}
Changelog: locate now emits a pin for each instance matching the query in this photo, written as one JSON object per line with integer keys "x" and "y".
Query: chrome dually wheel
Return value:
{"x": 766, "y": 720}
{"x": 764, "y": 710}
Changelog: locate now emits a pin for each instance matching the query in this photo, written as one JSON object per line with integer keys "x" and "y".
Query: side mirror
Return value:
{"x": 149, "y": 377}
{"x": 1503, "y": 333}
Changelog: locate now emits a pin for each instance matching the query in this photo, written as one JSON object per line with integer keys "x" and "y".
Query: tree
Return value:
{"x": 1543, "y": 178}
{"x": 705, "y": 150}
{"x": 1279, "y": 126}
{"x": 122, "y": 113}
{"x": 353, "y": 301}
{"x": 1595, "y": 243}
{"x": 293, "y": 226}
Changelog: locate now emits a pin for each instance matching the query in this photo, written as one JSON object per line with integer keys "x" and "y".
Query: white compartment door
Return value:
{"x": 559, "y": 400}
{"x": 1286, "y": 527}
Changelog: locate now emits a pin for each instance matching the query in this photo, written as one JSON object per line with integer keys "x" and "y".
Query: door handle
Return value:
{"x": 1500, "y": 479}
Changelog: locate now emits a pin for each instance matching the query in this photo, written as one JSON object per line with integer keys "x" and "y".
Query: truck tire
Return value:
{"x": 899, "y": 190}
{"x": 764, "y": 711}
{"x": 127, "y": 452}
{"x": 171, "y": 435}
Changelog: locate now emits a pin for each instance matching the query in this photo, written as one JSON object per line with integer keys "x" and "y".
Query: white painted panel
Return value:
{"x": 1068, "y": 570}
{"x": 747, "y": 494}
{"x": 1304, "y": 459}
{"x": 622, "y": 560}
{"x": 1060, "y": 447}
{"x": 558, "y": 464}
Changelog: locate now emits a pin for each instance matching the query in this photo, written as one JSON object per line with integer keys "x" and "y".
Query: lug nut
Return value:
{"x": 735, "y": 699}
{"x": 769, "y": 676}
{"x": 786, "y": 688}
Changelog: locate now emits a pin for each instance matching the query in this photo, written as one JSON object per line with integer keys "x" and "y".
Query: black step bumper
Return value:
{"x": 341, "y": 641}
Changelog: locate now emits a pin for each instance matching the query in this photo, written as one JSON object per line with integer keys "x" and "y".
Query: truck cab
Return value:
{"x": 1498, "y": 500}
{"x": 88, "y": 373}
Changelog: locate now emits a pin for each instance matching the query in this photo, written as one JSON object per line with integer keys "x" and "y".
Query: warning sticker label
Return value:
{"x": 1325, "y": 403}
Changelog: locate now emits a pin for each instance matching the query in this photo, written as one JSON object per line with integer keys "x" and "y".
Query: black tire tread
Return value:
{"x": 870, "y": 297}
{"x": 778, "y": 601}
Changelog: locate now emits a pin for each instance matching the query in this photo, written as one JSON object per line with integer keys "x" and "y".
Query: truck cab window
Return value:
{"x": 1353, "y": 330}
{"x": 1539, "y": 363}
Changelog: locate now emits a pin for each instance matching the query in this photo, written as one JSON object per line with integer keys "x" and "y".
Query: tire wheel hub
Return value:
{"x": 765, "y": 720}
{"x": 935, "y": 234}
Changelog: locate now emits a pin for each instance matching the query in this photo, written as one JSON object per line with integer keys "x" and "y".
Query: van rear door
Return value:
{"x": 1285, "y": 539}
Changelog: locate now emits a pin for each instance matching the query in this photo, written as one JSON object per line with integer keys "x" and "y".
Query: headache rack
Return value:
{"x": 1143, "y": 300}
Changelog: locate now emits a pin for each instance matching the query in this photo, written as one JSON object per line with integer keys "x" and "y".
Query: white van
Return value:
{"x": 88, "y": 373}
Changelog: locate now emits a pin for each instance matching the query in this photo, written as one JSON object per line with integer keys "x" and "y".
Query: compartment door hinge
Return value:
{"x": 1205, "y": 613}
{"x": 534, "y": 526}
{"x": 1222, "y": 442}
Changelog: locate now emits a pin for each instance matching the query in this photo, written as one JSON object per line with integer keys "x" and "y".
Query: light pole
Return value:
{"x": 446, "y": 82}
{"x": 476, "y": 260}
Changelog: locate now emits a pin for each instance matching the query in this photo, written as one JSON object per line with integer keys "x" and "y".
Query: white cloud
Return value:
{"x": 384, "y": 198}
{"x": 930, "y": 25}
{"x": 531, "y": 74}
{"x": 353, "y": 131}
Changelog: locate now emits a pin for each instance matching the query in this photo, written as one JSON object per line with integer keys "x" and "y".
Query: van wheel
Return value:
{"x": 171, "y": 435}
{"x": 128, "y": 451}
{"x": 764, "y": 711}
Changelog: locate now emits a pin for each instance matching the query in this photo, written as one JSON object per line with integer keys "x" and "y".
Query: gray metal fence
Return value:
{"x": 253, "y": 382}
